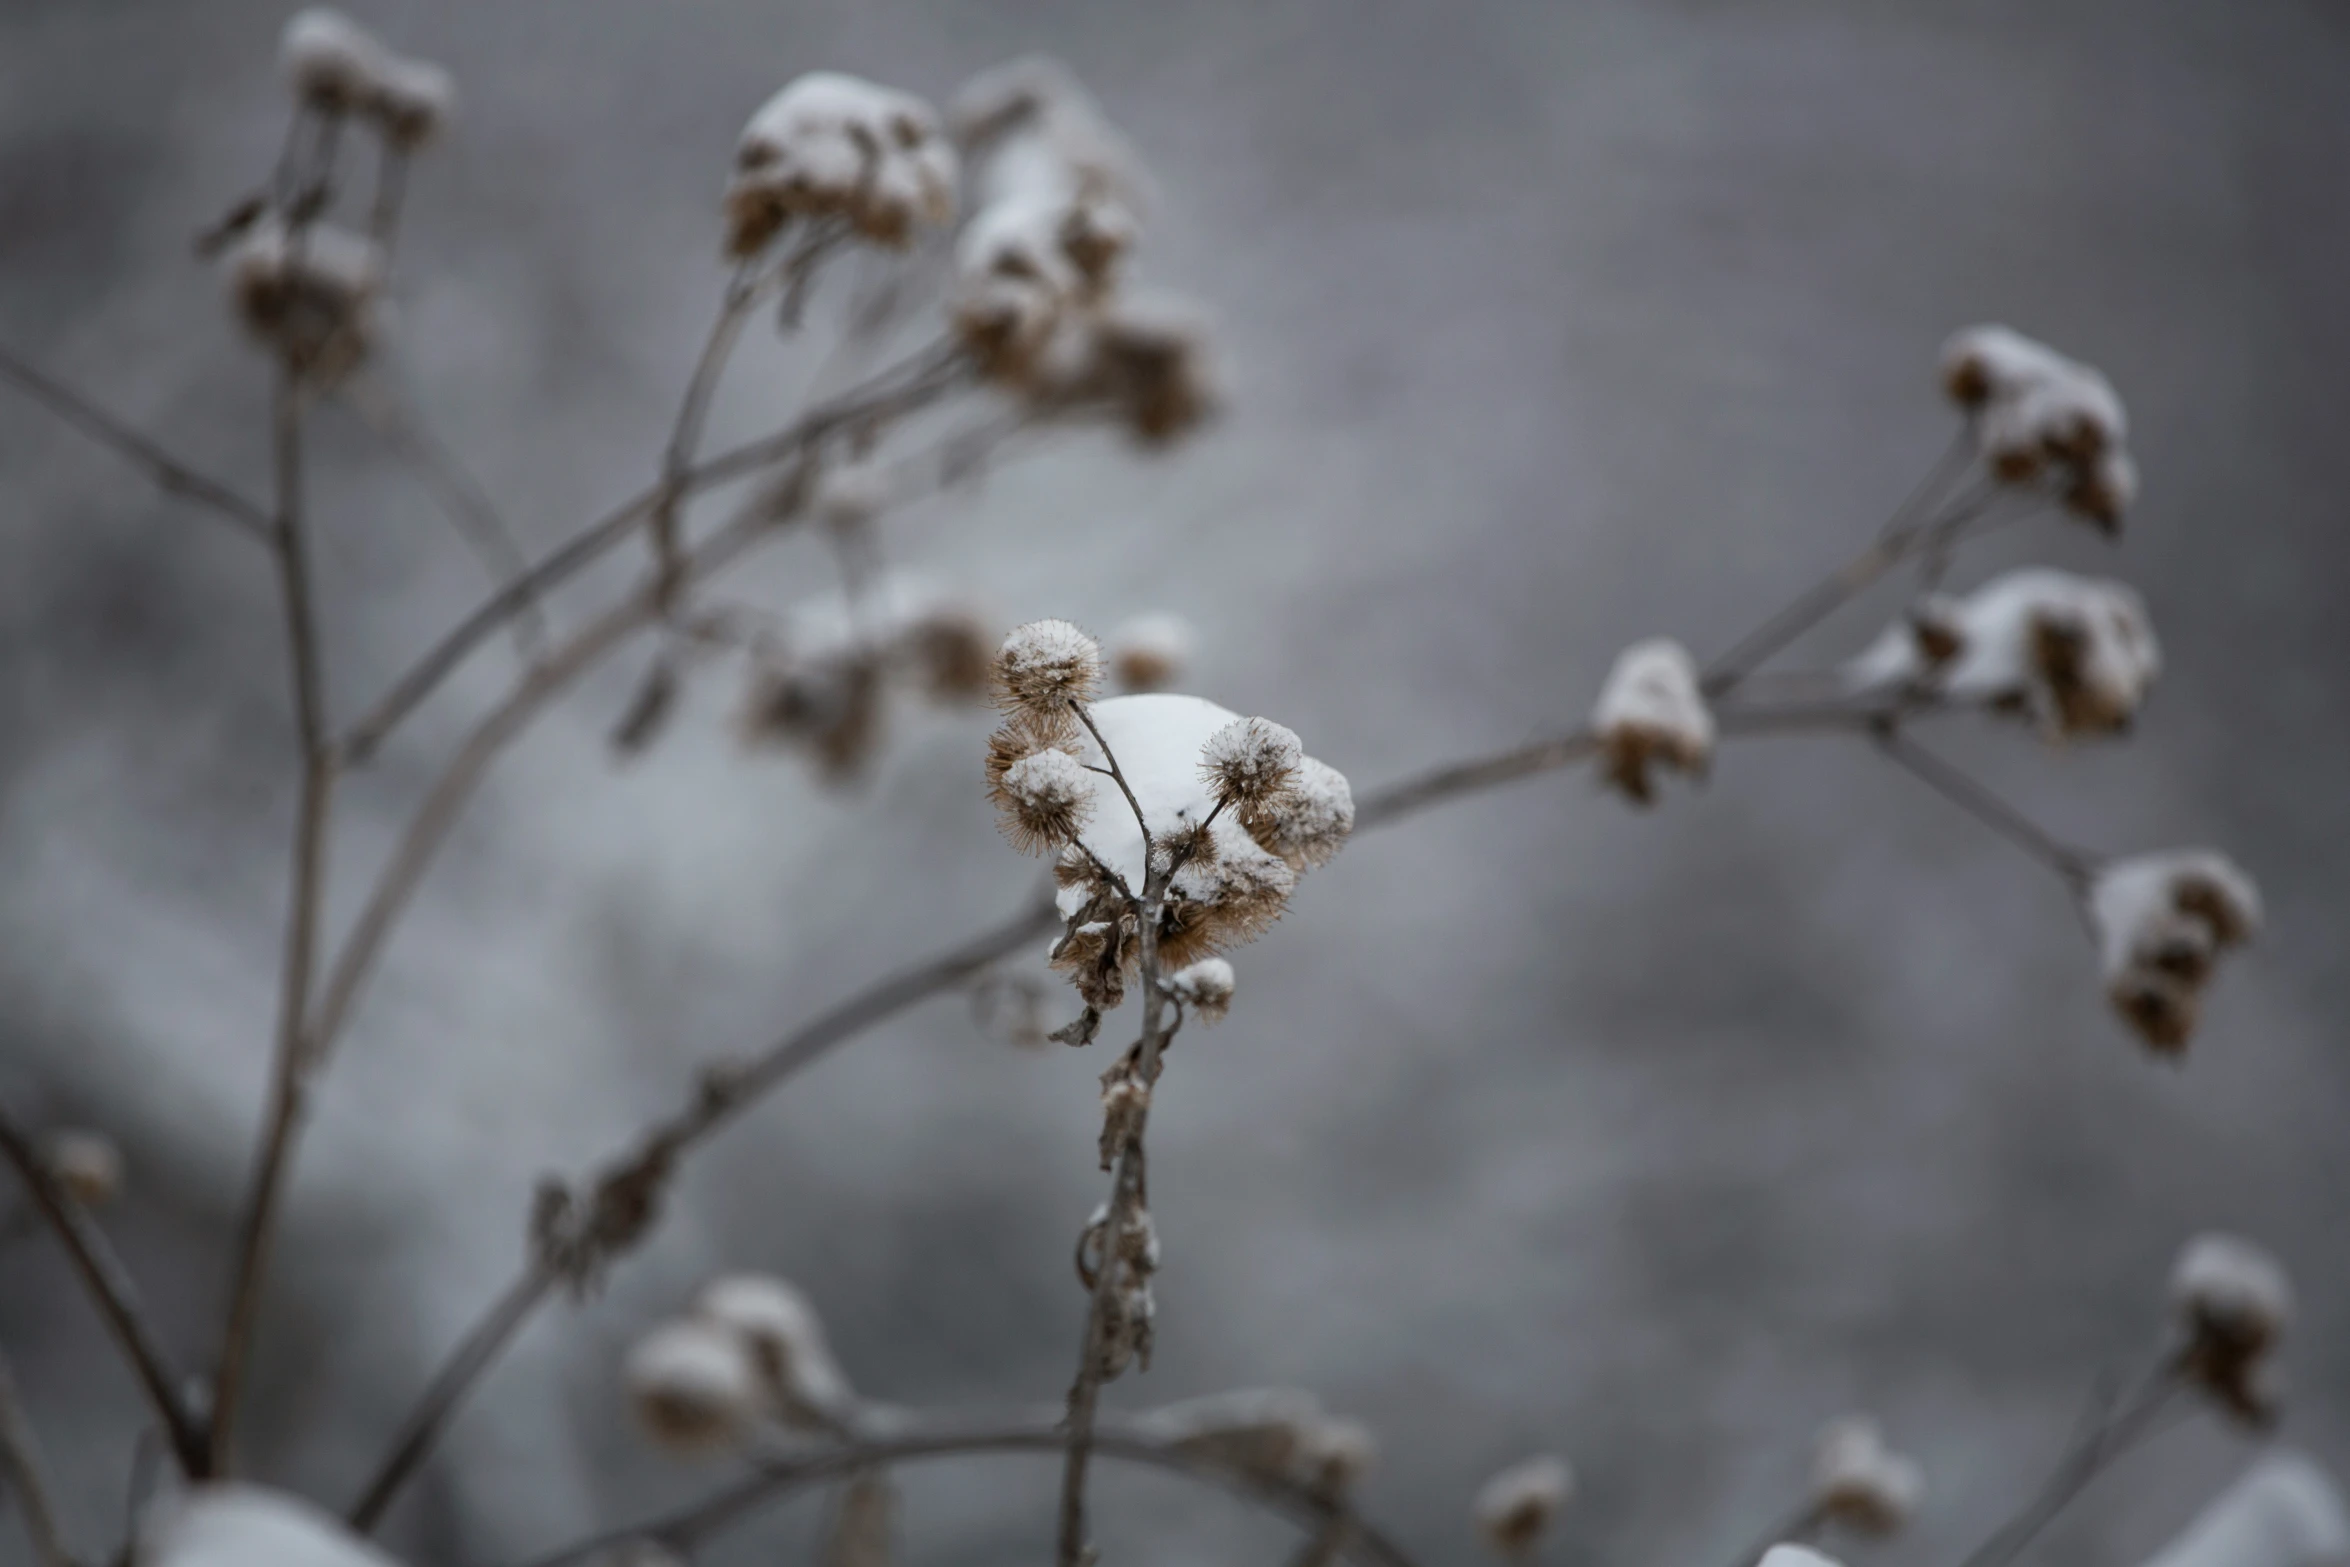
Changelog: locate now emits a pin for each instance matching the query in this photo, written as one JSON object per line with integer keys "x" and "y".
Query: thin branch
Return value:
{"x": 480, "y": 1346}
{"x": 1141, "y": 823}
{"x": 894, "y": 393}
{"x": 110, "y": 1286}
{"x": 1407, "y": 796}
{"x": 2074, "y": 865}
{"x": 2130, "y": 1423}
{"x": 457, "y": 492}
{"x": 174, "y": 477}
{"x": 304, "y": 907}
{"x": 690, "y": 1527}
{"x": 20, "y": 1451}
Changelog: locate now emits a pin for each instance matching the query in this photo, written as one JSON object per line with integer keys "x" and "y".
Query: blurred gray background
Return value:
{"x": 1653, "y": 1140}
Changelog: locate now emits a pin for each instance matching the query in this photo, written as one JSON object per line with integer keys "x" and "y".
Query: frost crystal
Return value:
{"x": 1515, "y": 1508}
{"x": 1150, "y": 652}
{"x": 785, "y": 1338}
{"x": 2284, "y": 1512}
{"x": 309, "y": 296}
{"x": 2161, "y": 920}
{"x": 1206, "y": 987}
{"x": 335, "y": 65}
{"x": 696, "y": 1385}
{"x": 2039, "y": 413}
{"x": 1858, "y": 1481}
{"x": 237, "y": 1525}
{"x": 2077, "y": 654}
{"x": 1649, "y": 713}
{"x": 1249, "y": 761}
{"x": 1046, "y": 665}
{"x": 829, "y": 145}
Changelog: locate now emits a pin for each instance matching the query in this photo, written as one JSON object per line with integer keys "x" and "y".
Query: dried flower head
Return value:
{"x": 695, "y": 1384}
{"x": 1651, "y": 713}
{"x": 1152, "y": 362}
{"x": 335, "y": 66}
{"x": 1013, "y": 285}
{"x": 2037, "y": 411}
{"x": 2076, "y": 654}
{"x": 1515, "y": 1508}
{"x": 951, "y": 649}
{"x": 1859, "y": 1482}
{"x": 87, "y": 1164}
{"x": 1045, "y": 665}
{"x": 830, "y": 145}
{"x": 1150, "y": 652}
{"x": 1309, "y": 820}
{"x": 830, "y": 705}
{"x": 1205, "y": 987}
{"x": 2233, "y": 1298}
{"x": 2160, "y": 921}
{"x": 1044, "y": 800}
{"x": 1249, "y": 761}
{"x": 779, "y": 1327}
{"x": 308, "y": 295}
{"x": 2284, "y": 1511}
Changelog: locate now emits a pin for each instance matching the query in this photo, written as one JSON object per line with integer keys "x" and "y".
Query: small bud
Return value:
{"x": 695, "y": 1384}
{"x": 1150, "y": 652}
{"x": 785, "y": 1339}
{"x": 1515, "y": 1508}
{"x": 1859, "y": 1482}
{"x": 1205, "y": 987}
{"x": 309, "y": 297}
{"x": 87, "y": 1164}
{"x": 2232, "y": 1294}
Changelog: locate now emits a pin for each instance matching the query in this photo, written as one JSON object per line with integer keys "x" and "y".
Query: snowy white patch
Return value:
{"x": 2285, "y": 1512}
{"x": 2228, "y": 1287}
{"x": 696, "y": 1384}
{"x": 1857, "y": 1480}
{"x": 831, "y": 145}
{"x": 1514, "y": 1508}
{"x": 1797, "y": 1556}
{"x": 233, "y": 1525}
{"x": 1205, "y": 986}
{"x": 1651, "y": 712}
{"x": 2077, "y": 654}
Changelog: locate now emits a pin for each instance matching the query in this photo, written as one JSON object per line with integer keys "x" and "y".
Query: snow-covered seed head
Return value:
{"x": 2161, "y": 920}
{"x": 1150, "y": 652}
{"x": 1308, "y": 821}
{"x": 87, "y": 1164}
{"x": 785, "y": 1339}
{"x": 1651, "y": 714}
{"x": 2037, "y": 411}
{"x": 952, "y": 651}
{"x": 1023, "y": 735}
{"x": 310, "y": 297}
{"x": 1046, "y": 799}
{"x": 695, "y": 1385}
{"x": 1333, "y": 1454}
{"x": 2095, "y": 658}
{"x": 1249, "y": 761}
{"x": 2231, "y": 1294}
{"x": 334, "y": 65}
{"x": 1154, "y": 362}
{"x": 1857, "y": 1481}
{"x": 830, "y": 145}
{"x": 1046, "y": 665}
{"x": 1229, "y": 903}
{"x": 1515, "y": 1508}
{"x": 1205, "y": 987}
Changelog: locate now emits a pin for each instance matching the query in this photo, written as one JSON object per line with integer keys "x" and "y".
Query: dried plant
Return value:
{"x": 1177, "y": 829}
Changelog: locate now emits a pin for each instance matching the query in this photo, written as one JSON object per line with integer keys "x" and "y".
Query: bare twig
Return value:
{"x": 2131, "y": 1421}
{"x": 110, "y": 1287}
{"x": 481, "y": 1345}
{"x": 312, "y": 822}
{"x": 20, "y": 1451}
{"x": 892, "y": 394}
{"x": 2074, "y": 865}
{"x": 690, "y": 1527}
{"x": 175, "y": 477}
